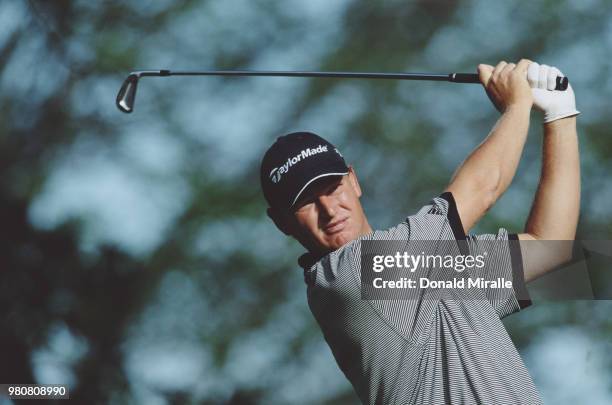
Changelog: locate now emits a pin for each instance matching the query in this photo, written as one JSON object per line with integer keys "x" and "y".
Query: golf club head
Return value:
{"x": 127, "y": 94}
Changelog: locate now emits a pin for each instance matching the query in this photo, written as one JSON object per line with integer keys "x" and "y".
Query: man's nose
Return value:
{"x": 327, "y": 205}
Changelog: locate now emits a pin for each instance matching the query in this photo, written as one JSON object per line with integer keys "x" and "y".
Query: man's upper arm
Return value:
{"x": 541, "y": 256}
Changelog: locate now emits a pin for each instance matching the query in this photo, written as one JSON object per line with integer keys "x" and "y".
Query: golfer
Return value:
{"x": 437, "y": 351}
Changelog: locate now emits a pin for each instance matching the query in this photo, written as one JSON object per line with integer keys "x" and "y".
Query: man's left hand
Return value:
{"x": 555, "y": 104}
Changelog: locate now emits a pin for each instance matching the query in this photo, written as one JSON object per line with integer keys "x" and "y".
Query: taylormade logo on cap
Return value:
{"x": 277, "y": 172}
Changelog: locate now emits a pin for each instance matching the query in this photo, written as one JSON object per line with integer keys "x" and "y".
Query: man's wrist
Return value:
{"x": 562, "y": 124}
{"x": 518, "y": 107}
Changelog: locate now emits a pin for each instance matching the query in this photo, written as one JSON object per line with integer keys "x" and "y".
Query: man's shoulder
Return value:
{"x": 439, "y": 219}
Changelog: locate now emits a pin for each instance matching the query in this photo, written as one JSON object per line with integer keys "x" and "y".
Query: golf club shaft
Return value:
{"x": 127, "y": 93}
{"x": 453, "y": 77}
{"x": 448, "y": 77}
{"x": 280, "y": 73}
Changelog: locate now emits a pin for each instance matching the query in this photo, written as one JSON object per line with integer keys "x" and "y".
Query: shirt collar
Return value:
{"x": 307, "y": 260}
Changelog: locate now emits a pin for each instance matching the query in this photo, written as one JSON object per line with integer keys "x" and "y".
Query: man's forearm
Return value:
{"x": 501, "y": 152}
{"x": 489, "y": 169}
{"x": 555, "y": 210}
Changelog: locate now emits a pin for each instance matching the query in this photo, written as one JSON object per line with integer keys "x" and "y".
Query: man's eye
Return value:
{"x": 303, "y": 205}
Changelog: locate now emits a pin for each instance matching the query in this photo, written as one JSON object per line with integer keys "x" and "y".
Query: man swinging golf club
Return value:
{"x": 439, "y": 351}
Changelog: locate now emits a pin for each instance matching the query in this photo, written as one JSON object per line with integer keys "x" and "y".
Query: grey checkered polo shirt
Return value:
{"x": 434, "y": 351}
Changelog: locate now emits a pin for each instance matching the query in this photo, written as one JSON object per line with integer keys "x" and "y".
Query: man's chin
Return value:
{"x": 340, "y": 239}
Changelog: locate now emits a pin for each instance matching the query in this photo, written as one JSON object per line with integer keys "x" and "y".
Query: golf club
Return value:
{"x": 127, "y": 93}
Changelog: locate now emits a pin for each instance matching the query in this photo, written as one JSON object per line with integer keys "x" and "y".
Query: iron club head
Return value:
{"x": 127, "y": 93}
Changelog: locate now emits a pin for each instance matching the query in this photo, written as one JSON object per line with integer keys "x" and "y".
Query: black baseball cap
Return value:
{"x": 294, "y": 162}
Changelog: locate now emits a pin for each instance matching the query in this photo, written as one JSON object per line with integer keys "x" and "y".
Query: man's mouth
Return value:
{"x": 336, "y": 226}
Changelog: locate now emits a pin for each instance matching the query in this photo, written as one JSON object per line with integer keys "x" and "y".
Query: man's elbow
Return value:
{"x": 560, "y": 232}
{"x": 558, "y": 251}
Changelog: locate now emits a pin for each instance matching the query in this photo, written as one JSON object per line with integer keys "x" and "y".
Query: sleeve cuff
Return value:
{"x": 453, "y": 216}
{"x": 455, "y": 223}
{"x": 518, "y": 275}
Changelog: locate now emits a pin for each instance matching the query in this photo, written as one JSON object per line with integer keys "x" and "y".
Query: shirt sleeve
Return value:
{"x": 502, "y": 261}
{"x": 438, "y": 220}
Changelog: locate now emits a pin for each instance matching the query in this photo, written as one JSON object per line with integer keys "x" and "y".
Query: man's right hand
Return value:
{"x": 506, "y": 84}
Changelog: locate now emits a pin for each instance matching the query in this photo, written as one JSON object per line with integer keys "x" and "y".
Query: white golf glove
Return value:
{"x": 553, "y": 103}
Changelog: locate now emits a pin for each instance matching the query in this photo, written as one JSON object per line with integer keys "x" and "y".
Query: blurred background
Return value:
{"x": 137, "y": 264}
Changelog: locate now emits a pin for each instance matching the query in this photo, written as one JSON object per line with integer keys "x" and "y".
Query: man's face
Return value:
{"x": 330, "y": 214}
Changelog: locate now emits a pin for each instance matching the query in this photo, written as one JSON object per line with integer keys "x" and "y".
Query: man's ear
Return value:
{"x": 353, "y": 181}
{"x": 279, "y": 220}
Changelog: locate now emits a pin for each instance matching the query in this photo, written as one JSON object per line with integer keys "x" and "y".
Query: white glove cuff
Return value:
{"x": 550, "y": 118}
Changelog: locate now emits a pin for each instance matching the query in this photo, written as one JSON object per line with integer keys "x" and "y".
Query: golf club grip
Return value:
{"x": 562, "y": 81}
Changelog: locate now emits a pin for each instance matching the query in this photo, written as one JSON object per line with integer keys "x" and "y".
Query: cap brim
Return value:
{"x": 313, "y": 180}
